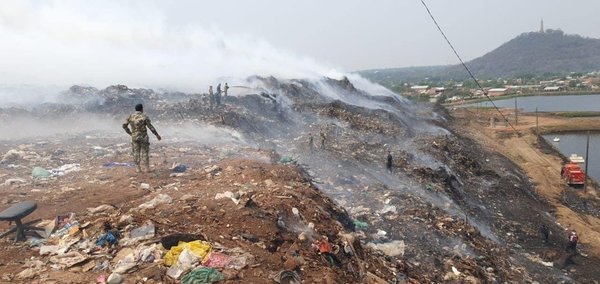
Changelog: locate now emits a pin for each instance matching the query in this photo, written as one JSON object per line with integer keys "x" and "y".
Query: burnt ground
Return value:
{"x": 453, "y": 210}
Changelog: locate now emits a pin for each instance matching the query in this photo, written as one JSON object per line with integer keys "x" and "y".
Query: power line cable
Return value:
{"x": 477, "y": 82}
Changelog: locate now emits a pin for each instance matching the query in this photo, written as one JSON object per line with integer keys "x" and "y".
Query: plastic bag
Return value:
{"x": 199, "y": 248}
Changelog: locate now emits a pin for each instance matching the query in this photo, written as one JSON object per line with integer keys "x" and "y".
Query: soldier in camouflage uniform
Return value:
{"x": 139, "y": 136}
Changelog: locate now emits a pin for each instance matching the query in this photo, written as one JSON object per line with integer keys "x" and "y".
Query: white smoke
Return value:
{"x": 28, "y": 128}
{"x": 107, "y": 42}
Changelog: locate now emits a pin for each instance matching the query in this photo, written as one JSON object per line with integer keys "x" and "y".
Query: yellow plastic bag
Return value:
{"x": 199, "y": 248}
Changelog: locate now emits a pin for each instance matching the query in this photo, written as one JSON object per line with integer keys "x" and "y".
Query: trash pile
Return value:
{"x": 99, "y": 247}
{"x": 264, "y": 230}
{"x": 447, "y": 210}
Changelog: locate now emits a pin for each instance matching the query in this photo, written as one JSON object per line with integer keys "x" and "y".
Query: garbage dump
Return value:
{"x": 237, "y": 195}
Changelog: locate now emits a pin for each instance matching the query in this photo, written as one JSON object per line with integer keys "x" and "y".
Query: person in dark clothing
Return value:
{"x": 390, "y": 163}
{"x": 322, "y": 134}
{"x": 225, "y": 90}
{"x": 218, "y": 95}
{"x": 572, "y": 244}
{"x": 545, "y": 232}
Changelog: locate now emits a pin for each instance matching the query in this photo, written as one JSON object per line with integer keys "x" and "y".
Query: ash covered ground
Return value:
{"x": 257, "y": 190}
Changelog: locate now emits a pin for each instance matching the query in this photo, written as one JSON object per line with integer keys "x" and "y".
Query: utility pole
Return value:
{"x": 587, "y": 162}
{"x": 516, "y": 114}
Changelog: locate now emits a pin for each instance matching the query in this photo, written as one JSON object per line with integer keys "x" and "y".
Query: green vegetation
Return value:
{"x": 551, "y": 53}
{"x": 579, "y": 114}
{"x": 419, "y": 98}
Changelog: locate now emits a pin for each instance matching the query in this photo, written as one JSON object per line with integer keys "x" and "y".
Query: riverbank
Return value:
{"x": 558, "y": 123}
{"x": 511, "y": 96}
{"x": 573, "y": 208}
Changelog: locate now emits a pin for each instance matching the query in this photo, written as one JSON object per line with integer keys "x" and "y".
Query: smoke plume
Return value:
{"x": 109, "y": 42}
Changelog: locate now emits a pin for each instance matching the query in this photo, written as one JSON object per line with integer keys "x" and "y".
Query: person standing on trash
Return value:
{"x": 545, "y": 232}
{"x": 311, "y": 143}
{"x": 218, "y": 95}
{"x": 140, "y": 142}
{"x": 572, "y": 244}
{"x": 322, "y": 134}
{"x": 211, "y": 97}
{"x": 225, "y": 89}
{"x": 390, "y": 162}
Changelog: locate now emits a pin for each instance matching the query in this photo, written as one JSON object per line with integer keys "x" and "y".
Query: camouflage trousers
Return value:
{"x": 140, "y": 151}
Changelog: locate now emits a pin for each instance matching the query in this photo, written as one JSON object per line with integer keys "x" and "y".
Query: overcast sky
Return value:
{"x": 359, "y": 34}
{"x": 177, "y": 42}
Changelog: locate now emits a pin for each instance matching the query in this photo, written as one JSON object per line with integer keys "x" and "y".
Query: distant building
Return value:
{"x": 552, "y": 89}
{"x": 436, "y": 91}
{"x": 524, "y": 86}
{"x": 494, "y": 92}
{"x": 477, "y": 92}
{"x": 454, "y": 99}
{"x": 420, "y": 89}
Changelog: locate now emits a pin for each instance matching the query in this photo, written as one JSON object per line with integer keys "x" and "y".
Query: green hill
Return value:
{"x": 534, "y": 53}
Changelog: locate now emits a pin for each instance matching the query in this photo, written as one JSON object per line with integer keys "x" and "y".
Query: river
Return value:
{"x": 548, "y": 103}
{"x": 574, "y": 143}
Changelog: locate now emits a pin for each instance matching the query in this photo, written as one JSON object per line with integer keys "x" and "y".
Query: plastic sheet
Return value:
{"x": 199, "y": 248}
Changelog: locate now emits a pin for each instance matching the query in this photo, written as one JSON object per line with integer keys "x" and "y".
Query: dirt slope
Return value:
{"x": 542, "y": 165}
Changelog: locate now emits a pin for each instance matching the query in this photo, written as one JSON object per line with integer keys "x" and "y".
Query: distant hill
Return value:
{"x": 532, "y": 53}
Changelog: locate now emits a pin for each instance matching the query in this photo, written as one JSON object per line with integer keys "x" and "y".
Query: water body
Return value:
{"x": 548, "y": 103}
{"x": 574, "y": 143}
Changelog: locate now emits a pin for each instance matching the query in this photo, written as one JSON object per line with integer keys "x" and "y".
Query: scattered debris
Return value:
{"x": 12, "y": 181}
{"x": 65, "y": 169}
{"x": 179, "y": 168}
{"x": 159, "y": 199}
{"x": 235, "y": 197}
{"x": 40, "y": 173}
{"x": 117, "y": 164}
{"x": 202, "y": 276}
{"x": 212, "y": 170}
{"x": 12, "y": 156}
{"x": 114, "y": 278}
{"x": 286, "y": 276}
{"x": 101, "y": 208}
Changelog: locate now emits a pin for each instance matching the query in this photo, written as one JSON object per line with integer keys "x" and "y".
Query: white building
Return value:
{"x": 552, "y": 89}
{"x": 497, "y": 92}
{"x": 420, "y": 89}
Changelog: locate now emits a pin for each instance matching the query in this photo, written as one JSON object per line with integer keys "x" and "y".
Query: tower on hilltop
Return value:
{"x": 542, "y": 26}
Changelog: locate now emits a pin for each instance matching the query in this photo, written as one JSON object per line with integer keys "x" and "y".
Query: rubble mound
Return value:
{"x": 294, "y": 173}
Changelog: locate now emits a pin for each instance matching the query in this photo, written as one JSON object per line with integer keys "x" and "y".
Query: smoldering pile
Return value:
{"x": 340, "y": 134}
